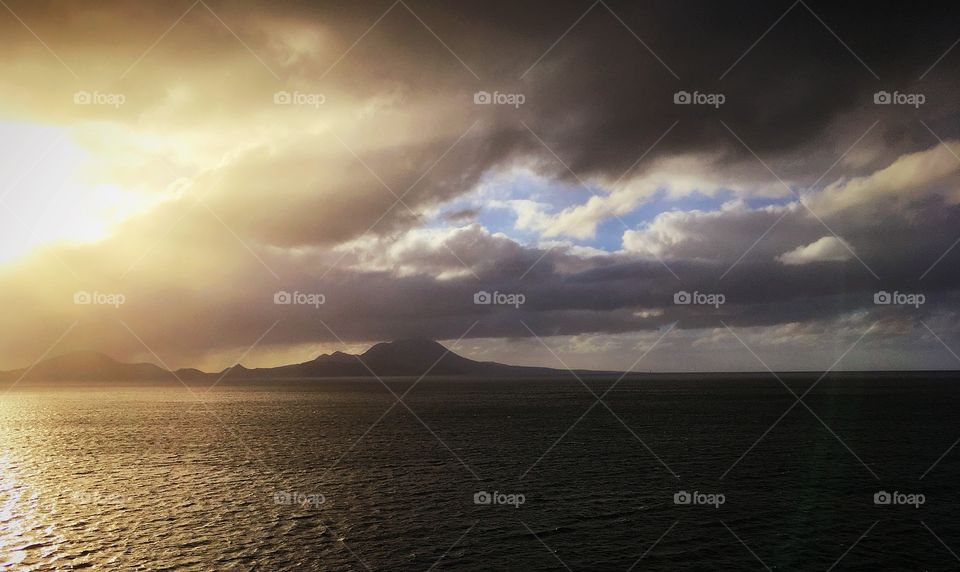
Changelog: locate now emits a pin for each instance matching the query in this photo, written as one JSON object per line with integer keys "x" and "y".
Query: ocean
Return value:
{"x": 691, "y": 473}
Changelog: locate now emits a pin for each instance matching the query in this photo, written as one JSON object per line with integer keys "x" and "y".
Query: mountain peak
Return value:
{"x": 82, "y": 358}
{"x": 81, "y": 361}
{"x": 335, "y": 357}
{"x": 88, "y": 365}
{"x": 409, "y": 351}
{"x": 416, "y": 345}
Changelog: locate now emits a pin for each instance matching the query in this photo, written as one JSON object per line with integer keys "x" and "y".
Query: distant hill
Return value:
{"x": 87, "y": 366}
{"x": 399, "y": 358}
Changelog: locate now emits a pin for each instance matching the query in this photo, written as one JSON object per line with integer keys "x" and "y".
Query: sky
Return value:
{"x": 658, "y": 186}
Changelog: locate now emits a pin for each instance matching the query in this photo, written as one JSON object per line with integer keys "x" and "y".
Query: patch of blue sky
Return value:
{"x": 488, "y": 205}
{"x": 495, "y": 190}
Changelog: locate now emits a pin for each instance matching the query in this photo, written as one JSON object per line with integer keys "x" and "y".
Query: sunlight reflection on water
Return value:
{"x": 133, "y": 479}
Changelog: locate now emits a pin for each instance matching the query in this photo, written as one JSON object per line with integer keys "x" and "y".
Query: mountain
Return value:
{"x": 413, "y": 357}
{"x": 399, "y": 358}
{"x": 87, "y": 366}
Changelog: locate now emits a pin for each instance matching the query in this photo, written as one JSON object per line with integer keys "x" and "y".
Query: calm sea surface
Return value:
{"x": 327, "y": 476}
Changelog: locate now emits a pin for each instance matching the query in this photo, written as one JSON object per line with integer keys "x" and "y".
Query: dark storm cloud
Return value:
{"x": 599, "y": 97}
{"x": 595, "y": 93}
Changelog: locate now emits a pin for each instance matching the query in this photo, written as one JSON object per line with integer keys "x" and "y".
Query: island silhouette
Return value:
{"x": 400, "y": 358}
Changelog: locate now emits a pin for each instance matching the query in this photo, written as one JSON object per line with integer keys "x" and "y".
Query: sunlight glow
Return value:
{"x": 46, "y": 195}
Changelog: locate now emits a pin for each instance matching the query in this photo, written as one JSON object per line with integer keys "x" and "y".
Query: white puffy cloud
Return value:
{"x": 825, "y": 249}
{"x": 934, "y": 171}
{"x": 669, "y": 179}
{"x": 797, "y": 233}
{"x": 723, "y": 234}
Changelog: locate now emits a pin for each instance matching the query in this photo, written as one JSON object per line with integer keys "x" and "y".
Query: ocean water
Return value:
{"x": 325, "y": 475}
